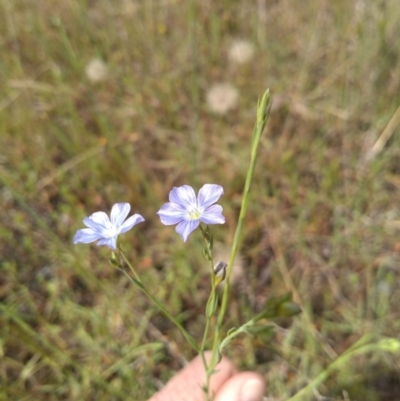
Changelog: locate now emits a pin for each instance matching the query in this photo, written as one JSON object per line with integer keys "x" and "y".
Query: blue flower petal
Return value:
{"x": 129, "y": 223}
{"x": 119, "y": 212}
{"x": 171, "y": 213}
{"x": 97, "y": 220}
{"x": 104, "y": 230}
{"x": 184, "y": 228}
{"x": 110, "y": 242}
{"x": 213, "y": 215}
{"x": 209, "y": 194}
{"x": 86, "y": 235}
{"x": 185, "y": 210}
{"x": 183, "y": 196}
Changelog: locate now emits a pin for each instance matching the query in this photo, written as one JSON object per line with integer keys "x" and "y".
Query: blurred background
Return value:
{"x": 118, "y": 101}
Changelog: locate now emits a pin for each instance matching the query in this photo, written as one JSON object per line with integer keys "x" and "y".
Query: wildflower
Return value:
{"x": 221, "y": 98}
{"x": 106, "y": 230}
{"x": 96, "y": 70}
{"x": 187, "y": 211}
{"x": 241, "y": 51}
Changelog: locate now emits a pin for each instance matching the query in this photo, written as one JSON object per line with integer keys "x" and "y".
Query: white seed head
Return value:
{"x": 241, "y": 51}
{"x": 221, "y": 98}
{"x": 96, "y": 70}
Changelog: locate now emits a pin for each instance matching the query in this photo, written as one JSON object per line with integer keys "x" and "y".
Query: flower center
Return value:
{"x": 110, "y": 231}
{"x": 195, "y": 213}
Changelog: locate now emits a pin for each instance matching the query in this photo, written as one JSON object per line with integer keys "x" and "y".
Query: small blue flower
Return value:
{"x": 187, "y": 211}
{"x": 106, "y": 230}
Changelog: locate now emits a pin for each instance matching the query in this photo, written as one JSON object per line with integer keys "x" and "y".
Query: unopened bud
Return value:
{"x": 220, "y": 270}
{"x": 288, "y": 309}
{"x": 114, "y": 260}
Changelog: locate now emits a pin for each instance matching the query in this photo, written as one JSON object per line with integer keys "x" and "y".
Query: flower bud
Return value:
{"x": 288, "y": 309}
{"x": 220, "y": 270}
{"x": 114, "y": 260}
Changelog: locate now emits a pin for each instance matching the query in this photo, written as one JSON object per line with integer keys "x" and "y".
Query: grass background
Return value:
{"x": 324, "y": 216}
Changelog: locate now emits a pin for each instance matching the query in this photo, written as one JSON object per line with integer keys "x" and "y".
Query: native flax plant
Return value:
{"x": 189, "y": 212}
{"x": 106, "y": 231}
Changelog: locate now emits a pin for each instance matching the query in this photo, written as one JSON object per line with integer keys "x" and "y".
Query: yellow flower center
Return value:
{"x": 195, "y": 213}
{"x": 110, "y": 230}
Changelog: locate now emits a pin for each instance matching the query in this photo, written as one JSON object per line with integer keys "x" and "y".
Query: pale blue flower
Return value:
{"x": 105, "y": 230}
{"x": 188, "y": 211}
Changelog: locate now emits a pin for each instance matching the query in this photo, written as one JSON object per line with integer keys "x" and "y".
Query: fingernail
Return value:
{"x": 252, "y": 390}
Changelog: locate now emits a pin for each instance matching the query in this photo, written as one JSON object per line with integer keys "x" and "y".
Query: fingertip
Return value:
{"x": 187, "y": 384}
{"x": 245, "y": 386}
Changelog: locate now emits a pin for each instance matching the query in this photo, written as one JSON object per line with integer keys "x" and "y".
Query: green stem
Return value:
{"x": 241, "y": 329}
{"x": 140, "y": 284}
{"x": 262, "y": 117}
{"x": 357, "y": 349}
{"x": 202, "y": 349}
{"x": 211, "y": 302}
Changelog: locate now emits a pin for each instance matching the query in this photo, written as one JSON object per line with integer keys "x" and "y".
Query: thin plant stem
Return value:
{"x": 203, "y": 345}
{"x": 157, "y": 302}
{"x": 210, "y": 303}
{"x": 263, "y": 110}
{"x": 358, "y": 348}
